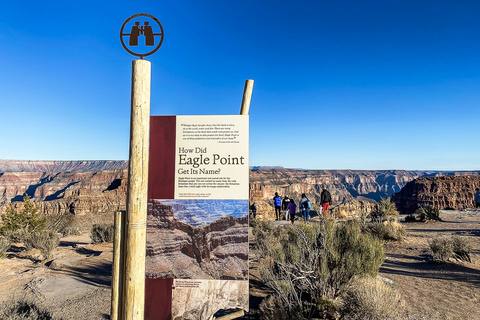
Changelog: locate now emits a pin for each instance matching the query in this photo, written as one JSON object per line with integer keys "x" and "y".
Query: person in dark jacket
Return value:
{"x": 292, "y": 208}
{"x": 325, "y": 199}
{"x": 285, "y": 203}
{"x": 477, "y": 198}
{"x": 305, "y": 206}
{"x": 277, "y": 202}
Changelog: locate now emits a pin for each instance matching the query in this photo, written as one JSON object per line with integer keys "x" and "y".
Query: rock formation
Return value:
{"x": 86, "y": 186}
{"x": 60, "y": 166}
{"x": 175, "y": 249}
{"x": 455, "y": 192}
{"x": 344, "y": 185}
{"x": 74, "y": 192}
{"x": 200, "y": 300}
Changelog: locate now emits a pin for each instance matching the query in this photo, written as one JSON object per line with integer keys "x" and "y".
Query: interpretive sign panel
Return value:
{"x": 197, "y": 222}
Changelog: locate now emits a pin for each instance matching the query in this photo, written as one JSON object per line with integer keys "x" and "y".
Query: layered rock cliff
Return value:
{"x": 60, "y": 166}
{"x": 79, "y": 191}
{"x": 455, "y": 192}
{"x": 59, "y": 192}
{"x": 345, "y": 186}
{"x": 175, "y": 249}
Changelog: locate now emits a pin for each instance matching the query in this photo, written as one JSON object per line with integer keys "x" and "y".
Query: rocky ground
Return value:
{"x": 76, "y": 283}
{"x": 429, "y": 290}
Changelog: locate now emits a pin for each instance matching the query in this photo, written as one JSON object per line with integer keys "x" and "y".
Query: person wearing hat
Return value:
{"x": 277, "y": 202}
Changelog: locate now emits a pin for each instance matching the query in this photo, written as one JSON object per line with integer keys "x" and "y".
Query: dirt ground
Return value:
{"x": 429, "y": 290}
{"x": 75, "y": 284}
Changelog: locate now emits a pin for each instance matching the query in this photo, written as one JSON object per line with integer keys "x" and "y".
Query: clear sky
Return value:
{"x": 338, "y": 84}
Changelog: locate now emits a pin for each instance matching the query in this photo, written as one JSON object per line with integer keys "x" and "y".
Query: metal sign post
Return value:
{"x": 128, "y": 285}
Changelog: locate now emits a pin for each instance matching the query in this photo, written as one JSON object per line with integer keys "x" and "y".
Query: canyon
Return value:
{"x": 81, "y": 187}
{"x": 444, "y": 192}
{"x": 179, "y": 250}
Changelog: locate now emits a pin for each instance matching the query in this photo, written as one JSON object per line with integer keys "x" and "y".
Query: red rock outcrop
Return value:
{"x": 455, "y": 192}
{"x": 178, "y": 250}
{"x": 60, "y": 166}
{"x": 344, "y": 186}
{"x": 74, "y": 192}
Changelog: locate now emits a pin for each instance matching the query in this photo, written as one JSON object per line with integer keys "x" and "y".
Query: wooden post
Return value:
{"x": 232, "y": 316}
{"x": 118, "y": 265}
{"x": 247, "y": 97}
{"x": 136, "y": 222}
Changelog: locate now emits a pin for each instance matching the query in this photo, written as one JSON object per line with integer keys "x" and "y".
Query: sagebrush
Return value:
{"x": 104, "y": 232}
{"x": 442, "y": 249}
{"x": 46, "y": 242}
{"x": 4, "y": 246}
{"x": 391, "y": 230}
{"x": 309, "y": 266}
{"x": 371, "y": 298}
{"x": 446, "y": 247}
{"x": 23, "y": 310}
{"x": 383, "y": 211}
{"x": 63, "y": 224}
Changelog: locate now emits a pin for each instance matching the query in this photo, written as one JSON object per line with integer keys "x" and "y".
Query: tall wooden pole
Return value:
{"x": 247, "y": 97}
{"x": 118, "y": 265}
{"x": 136, "y": 221}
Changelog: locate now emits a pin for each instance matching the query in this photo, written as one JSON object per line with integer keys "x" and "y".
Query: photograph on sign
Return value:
{"x": 199, "y": 299}
{"x": 197, "y": 221}
{"x": 197, "y": 239}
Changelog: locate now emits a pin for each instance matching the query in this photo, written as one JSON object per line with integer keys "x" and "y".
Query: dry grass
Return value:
{"x": 102, "y": 233}
{"x": 441, "y": 248}
{"x": 4, "y": 246}
{"x": 46, "y": 242}
{"x": 388, "y": 230}
{"x": 23, "y": 310}
{"x": 371, "y": 298}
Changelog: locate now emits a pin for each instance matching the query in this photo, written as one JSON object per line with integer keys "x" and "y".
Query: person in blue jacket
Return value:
{"x": 277, "y": 202}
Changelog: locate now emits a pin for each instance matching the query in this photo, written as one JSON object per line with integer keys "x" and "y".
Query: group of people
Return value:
{"x": 288, "y": 206}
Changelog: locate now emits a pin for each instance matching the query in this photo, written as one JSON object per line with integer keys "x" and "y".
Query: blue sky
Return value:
{"x": 338, "y": 84}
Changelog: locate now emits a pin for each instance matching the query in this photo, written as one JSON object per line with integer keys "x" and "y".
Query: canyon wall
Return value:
{"x": 80, "y": 187}
{"x": 176, "y": 249}
{"x": 60, "y": 192}
{"x": 60, "y": 166}
{"x": 445, "y": 192}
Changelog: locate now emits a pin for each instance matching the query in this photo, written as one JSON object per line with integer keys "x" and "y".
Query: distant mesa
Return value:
{"x": 265, "y": 167}
{"x": 61, "y": 166}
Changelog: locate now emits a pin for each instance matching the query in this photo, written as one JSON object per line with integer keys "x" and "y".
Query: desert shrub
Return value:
{"x": 308, "y": 265}
{"x": 428, "y": 212}
{"x": 462, "y": 248}
{"x": 63, "y": 224}
{"x": 410, "y": 218}
{"x": 4, "y": 246}
{"x": 23, "y": 310}
{"x": 27, "y": 219}
{"x": 383, "y": 210}
{"x": 456, "y": 247}
{"x": 18, "y": 236}
{"x": 442, "y": 249}
{"x": 46, "y": 242}
{"x": 102, "y": 233}
{"x": 387, "y": 230}
{"x": 370, "y": 299}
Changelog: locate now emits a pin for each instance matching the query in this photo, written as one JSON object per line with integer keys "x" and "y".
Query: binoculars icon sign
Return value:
{"x": 138, "y": 30}
{"x": 142, "y": 32}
